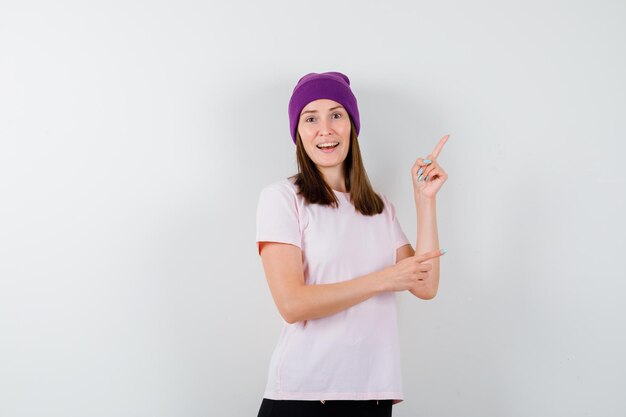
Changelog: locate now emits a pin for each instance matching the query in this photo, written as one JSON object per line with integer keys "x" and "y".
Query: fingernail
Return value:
{"x": 427, "y": 161}
{"x": 420, "y": 177}
{"x": 420, "y": 171}
{"x": 444, "y": 251}
{"x": 426, "y": 178}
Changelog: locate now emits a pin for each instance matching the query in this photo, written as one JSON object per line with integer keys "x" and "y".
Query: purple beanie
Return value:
{"x": 330, "y": 85}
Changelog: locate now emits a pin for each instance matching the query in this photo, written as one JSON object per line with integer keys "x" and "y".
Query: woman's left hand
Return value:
{"x": 431, "y": 174}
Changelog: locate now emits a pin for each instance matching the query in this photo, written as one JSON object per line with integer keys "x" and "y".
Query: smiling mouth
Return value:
{"x": 329, "y": 145}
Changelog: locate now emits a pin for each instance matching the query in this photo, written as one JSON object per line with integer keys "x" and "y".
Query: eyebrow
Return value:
{"x": 315, "y": 111}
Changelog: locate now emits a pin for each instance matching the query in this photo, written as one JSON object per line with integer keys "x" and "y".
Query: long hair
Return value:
{"x": 315, "y": 190}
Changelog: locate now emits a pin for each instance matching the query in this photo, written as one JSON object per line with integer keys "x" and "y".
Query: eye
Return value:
{"x": 337, "y": 114}
{"x": 309, "y": 119}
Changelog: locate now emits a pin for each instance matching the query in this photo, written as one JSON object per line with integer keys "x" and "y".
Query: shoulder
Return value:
{"x": 285, "y": 185}
{"x": 283, "y": 193}
{"x": 278, "y": 216}
{"x": 284, "y": 189}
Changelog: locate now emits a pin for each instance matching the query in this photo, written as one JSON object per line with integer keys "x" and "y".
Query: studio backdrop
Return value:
{"x": 135, "y": 138}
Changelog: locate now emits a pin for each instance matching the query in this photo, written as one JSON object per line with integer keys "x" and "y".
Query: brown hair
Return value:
{"x": 315, "y": 190}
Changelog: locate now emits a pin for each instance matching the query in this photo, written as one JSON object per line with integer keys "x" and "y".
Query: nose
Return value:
{"x": 325, "y": 128}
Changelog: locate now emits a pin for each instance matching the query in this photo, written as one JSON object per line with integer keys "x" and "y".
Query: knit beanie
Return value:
{"x": 330, "y": 85}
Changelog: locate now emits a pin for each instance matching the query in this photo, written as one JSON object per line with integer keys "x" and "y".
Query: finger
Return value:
{"x": 430, "y": 168}
{"x": 419, "y": 169}
{"x": 421, "y": 162}
{"x": 430, "y": 255}
{"x": 430, "y": 174}
{"x": 439, "y": 146}
{"x": 437, "y": 173}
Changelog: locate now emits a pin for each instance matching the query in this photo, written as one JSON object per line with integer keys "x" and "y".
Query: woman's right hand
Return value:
{"x": 410, "y": 272}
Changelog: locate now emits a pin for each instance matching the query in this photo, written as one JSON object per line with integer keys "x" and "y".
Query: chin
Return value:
{"x": 329, "y": 164}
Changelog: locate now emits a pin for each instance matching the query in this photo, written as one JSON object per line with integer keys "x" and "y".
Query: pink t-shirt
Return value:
{"x": 353, "y": 354}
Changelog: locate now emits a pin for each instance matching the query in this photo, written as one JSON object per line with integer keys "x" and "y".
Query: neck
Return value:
{"x": 334, "y": 177}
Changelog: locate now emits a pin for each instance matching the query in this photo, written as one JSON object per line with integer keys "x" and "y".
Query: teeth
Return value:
{"x": 327, "y": 145}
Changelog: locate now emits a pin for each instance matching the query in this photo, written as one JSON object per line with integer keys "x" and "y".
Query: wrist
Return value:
{"x": 379, "y": 281}
{"x": 422, "y": 200}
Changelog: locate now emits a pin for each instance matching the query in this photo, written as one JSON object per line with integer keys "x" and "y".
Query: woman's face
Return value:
{"x": 324, "y": 127}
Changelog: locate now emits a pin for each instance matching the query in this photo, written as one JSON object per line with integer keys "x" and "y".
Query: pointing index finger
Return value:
{"x": 439, "y": 146}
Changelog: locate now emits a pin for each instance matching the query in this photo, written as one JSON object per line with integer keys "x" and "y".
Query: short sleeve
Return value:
{"x": 398, "y": 234}
{"x": 399, "y": 237}
{"x": 277, "y": 217}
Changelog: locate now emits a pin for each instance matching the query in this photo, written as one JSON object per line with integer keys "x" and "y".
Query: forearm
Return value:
{"x": 321, "y": 300}
{"x": 427, "y": 240}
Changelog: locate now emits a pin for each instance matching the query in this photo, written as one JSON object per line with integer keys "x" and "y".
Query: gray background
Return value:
{"x": 136, "y": 136}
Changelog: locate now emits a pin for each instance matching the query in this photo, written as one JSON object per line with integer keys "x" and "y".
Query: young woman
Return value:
{"x": 334, "y": 255}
